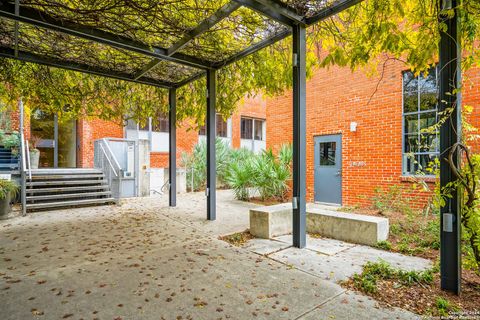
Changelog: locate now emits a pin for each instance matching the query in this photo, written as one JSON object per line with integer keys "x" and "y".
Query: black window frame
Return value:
{"x": 417, "y": 155}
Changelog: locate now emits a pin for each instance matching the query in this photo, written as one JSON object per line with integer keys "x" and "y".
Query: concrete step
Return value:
{"x": 69, "y": 196}
{"x": 68, "y": 176}
{"x": 73, "y": 203}
{"x": 64, "y": 183}
{"x": 68, "y": 189}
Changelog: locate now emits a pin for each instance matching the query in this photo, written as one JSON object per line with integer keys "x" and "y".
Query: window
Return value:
{"x": 161, "y": 123}
{"x": 420, "y": 141}
{"x": 221, "y": 127}
{"x": 251, "y": 129}
{"x": 327, "y": 153}
{"x": 258, "y": 132}
{"x": 246, "y": 128}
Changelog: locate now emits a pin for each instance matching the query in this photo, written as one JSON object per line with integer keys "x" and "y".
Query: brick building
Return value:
{"x": 366, "y": 132}
{"x": 75, "y": 138}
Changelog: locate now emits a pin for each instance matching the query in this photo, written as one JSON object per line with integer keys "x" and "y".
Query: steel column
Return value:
{"x": 299, "y": 135}
{"x": 449, "y": 99}
{"x": 211, "y": 132}
{"x": 172, "y": 152}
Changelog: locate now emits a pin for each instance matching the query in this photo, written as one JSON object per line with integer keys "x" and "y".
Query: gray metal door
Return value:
{"x": 328, "y": 169}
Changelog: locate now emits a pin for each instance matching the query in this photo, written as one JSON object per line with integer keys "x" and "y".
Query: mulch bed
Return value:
{"x": 422, "y": 299}
{"x": 237, "y": 239}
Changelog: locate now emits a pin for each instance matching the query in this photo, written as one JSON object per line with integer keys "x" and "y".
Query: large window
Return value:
{"x": 221, "y": 127}
{"x": 252, "y": 128}
{"x": 420, "y": 137}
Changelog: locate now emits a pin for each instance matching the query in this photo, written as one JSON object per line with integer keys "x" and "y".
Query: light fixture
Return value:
{"x": 353, "y": 126}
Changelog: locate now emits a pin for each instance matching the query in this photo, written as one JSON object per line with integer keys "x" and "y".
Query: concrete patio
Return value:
{"x": 143, "y": 260}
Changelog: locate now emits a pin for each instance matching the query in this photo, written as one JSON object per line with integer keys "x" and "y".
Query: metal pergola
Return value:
{"x": 170, "y": 53}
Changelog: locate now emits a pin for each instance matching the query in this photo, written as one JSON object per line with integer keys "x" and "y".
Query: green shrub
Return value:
{"x": 391, "y": 200}
{"x": 7, "y": 187}
{"x": 195, "y": 163}
{"x": 241, "y": 170}
{"x": 239, "y": 178}
{"x": 10, "y": 140}
{"x": 269, "y": 176}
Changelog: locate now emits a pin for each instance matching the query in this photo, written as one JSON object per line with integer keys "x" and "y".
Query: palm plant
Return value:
{"x": 239, "y": 178}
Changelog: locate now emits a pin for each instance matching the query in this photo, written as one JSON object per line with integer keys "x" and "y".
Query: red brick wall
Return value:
{"x": 336, "y": 97}
{"x": 187, "y": 137}
{"x": 90, "y": 130}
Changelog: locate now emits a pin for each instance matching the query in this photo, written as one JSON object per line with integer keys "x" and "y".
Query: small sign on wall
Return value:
{"x": 6, "y": 176}
{"x": 358, "y": 164}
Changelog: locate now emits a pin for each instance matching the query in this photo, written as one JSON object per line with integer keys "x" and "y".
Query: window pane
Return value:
{"x": 246, "y": 128}
{"x": 426, "y": 163}
{"x": 427, "y": 120}
{"x": 410, "y": 92}
{"x": 411, "y": 164}
{"x": 428, "y": 91}
{"x": 411, "y": 143}
{"x": 327, "y": 153}
{"x": 429, "y": 143}
{"x": 411, "y": 123}
{"x": 221, "y": 127}
{"x": 258, "y": 130}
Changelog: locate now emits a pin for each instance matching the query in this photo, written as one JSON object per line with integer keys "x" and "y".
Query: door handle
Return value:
{"x": 339, "y": 173}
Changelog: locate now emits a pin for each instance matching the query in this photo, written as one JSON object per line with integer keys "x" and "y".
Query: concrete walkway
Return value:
{"x": 143, "y": 260}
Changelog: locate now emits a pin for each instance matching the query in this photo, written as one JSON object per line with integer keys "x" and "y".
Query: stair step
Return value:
{"x": 51, "y": 171}
{"x": 48, "y": 205}
{"x": 69, "y": 195}
{"x": 67, "y": 176}
{"x": 65, "y": 182}
{"x": 68, "y": 189}
{"x": 8, "y": 166}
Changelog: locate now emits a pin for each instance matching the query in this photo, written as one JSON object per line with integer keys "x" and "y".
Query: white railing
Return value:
{"x": 105, "y": 160}
{"x": 23, "y": 172}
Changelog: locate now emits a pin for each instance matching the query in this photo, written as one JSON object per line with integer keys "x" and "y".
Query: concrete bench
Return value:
{"x": 272, "y": 221}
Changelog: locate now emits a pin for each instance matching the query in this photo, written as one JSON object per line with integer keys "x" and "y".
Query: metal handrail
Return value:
{"x": 22, "y": 174}
{"x": 28, "y": 161}
{"x": 108, "y": 159}
{"x": 111, "y": 154}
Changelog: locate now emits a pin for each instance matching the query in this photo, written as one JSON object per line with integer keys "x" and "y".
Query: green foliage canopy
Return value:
{"x": 360, "y": 37}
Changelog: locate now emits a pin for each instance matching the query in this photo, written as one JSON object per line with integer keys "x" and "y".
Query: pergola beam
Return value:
{"x": 74, "y": 66}
{"x": 281, "y": 9}
{"x": 332, "y": 10}
{"x": 40, "y": 19}
{"x": 203, "y": 27}
{"x": 270, "y": 11}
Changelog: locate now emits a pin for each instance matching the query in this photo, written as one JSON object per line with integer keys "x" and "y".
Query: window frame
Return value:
{"x": 417, "y": 154}
{"x": 254, "y": 120}
{"x": 203, "y": 129}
